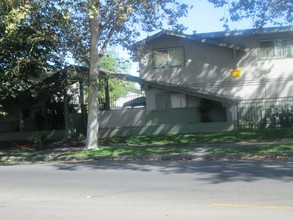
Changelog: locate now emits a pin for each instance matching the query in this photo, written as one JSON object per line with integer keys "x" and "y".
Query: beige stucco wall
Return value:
{"x": 200, "y": 67}
{"x": 122, "y": 118}
{"x": 167, "y": 129}
{"x": 208, "y": 68}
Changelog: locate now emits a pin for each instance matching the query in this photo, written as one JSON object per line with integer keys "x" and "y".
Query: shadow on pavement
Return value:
{"x": 211, "y": 171}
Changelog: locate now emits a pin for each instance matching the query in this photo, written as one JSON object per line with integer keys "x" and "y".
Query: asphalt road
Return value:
{"x": 148, "y": 190}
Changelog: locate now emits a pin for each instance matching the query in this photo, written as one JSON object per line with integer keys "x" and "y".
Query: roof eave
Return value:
{"x": 191, "y": 91}
{"x": 194, "y": 38}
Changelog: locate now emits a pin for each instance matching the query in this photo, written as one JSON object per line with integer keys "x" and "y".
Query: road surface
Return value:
{"x": 156, "y": 190}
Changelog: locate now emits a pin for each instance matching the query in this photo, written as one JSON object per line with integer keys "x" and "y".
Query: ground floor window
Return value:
{"x": 206, "y": 110}
{"x": 171, "y": 100}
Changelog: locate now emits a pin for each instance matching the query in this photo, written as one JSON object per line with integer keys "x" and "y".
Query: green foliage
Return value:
{"x": 81, "y": 137}
{"x": 117, "y": 87}
{"x": 30, "y": 47}
{"x": 46, "y": 30}
{"x": 36, "y": 139}
{"x": 2, "y": 112}
{"x": 262, "y": 12}
{"x": 118, "y": 22}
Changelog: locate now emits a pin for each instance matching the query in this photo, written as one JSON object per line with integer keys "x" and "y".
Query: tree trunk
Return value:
{"x": 93, "y": 111}
{"x": 93, "y": 102}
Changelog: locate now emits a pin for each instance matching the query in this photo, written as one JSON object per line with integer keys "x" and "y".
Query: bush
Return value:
{"x": 36, "y": 139}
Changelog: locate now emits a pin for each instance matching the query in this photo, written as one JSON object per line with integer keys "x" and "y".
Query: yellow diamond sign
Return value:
{"x": 236, "y": 73}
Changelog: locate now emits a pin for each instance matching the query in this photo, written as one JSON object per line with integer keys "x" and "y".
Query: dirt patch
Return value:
{"x": 45, "y": 145}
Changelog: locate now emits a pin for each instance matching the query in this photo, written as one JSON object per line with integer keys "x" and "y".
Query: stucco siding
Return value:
{"x": 167, "y": 129}
{"x": 199, "y": 67}
{"x": 122, "y": 118}
{"x": 208, "y": 67}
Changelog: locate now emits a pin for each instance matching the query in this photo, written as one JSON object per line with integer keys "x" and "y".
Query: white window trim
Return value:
{"x": 169, "y": 61}
{"x": 278, "y": 49}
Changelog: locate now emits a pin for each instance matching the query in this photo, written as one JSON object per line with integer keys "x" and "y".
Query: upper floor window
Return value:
{"x": 276, "y": 49}
{"x": 170, "y": 57}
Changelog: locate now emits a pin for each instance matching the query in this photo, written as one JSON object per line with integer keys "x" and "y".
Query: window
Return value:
{"x": 178, "y": 100}
{"x": 173, "y": 100}
{"x": 276, "y": 49}
{"x": 163, "y": 101}
{"x": 166, "y": 58}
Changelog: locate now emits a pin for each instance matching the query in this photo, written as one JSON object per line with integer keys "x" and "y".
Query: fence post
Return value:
{"x": 107, "y": 94}
{"x": 237, "y": 115}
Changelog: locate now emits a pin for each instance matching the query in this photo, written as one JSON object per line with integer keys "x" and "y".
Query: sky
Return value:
{"x": 204, "y": 17}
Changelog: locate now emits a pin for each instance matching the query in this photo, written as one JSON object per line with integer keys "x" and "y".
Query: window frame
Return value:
{"x": 169, "y": 61}
{"x": 171, "y": 101}
{"x": 280, "y": 47}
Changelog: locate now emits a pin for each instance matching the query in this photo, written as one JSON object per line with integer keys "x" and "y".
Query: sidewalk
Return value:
{"x": 59, "y": 151}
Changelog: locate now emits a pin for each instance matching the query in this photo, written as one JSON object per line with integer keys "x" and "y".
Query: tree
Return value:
{"x": 85, "y": 28}
{"x": 95, "y": 24}
{"x": 111, "y": 87}
{"x": 2, "y": 112}
{"x": 29, "y": 47}
{"x": 111, "y": 62}
{"x": 277, "y": 12}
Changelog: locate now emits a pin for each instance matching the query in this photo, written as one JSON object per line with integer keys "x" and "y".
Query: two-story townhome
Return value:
{"x": 219, "y": 81}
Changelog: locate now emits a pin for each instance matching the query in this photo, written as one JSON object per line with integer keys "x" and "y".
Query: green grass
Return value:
{"x": 146, "y": 151}
{"x": 259, "y": 149}
{"x": 167, "y": 150}
{"x": 185, "y": 139}
{"x": 176, "y": 144}
{"x": 133, "y": 151}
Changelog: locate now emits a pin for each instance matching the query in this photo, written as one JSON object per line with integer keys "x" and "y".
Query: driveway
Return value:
{"x": 148, "y": 190}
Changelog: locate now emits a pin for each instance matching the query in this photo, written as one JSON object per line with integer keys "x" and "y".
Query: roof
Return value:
{"x": 245, "y": 32}
{"x": 81, "y": 71}
{"x": 191, "y": 91}
{"x": 194, "y": 38}
{"x": 210, "y": 38}
{"x": 106, "y": 73}
{"x": 61, "y": 75}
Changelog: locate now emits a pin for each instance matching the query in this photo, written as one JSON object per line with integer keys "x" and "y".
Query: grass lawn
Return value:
{"x": 187, "y": 139}
{"x": 259, "y": 149}
{"x": 133, "y": 151}
{"x": 178, "y": 144}
{"x": 146, "y": 151}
